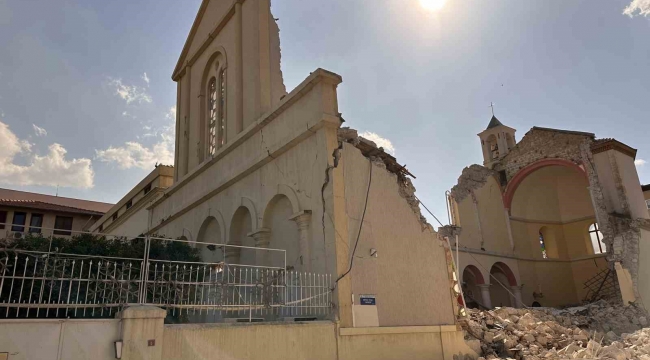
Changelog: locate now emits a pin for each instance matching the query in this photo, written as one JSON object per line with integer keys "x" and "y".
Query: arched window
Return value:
{"x": 221, "y": 140}
{"x": 542, "y": 245}
{"x": 597, "y": 239}
{"x": 212, "y": 120}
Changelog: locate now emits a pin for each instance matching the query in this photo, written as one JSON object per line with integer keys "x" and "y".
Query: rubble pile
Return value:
{"x": 596, "y": 331}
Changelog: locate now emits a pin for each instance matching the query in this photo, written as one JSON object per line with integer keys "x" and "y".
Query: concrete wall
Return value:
{"x": 409, "y": 275}
{"x": 644, "y": 268}
{"x": 59, "y": 339}
{"x": 317, "y": 340}
{"x": 245, "y": 341}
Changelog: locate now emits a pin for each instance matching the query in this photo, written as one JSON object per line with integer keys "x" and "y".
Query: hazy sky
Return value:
{"x": 86, "y": 99}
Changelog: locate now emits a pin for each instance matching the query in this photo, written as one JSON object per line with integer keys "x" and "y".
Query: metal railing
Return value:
{"x": 55, "y": 283}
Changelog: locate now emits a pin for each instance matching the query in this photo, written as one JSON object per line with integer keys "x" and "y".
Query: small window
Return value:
{"x": 63, "y": 225}
{"x": 147, "y": 189}
{"x": 129, "y": 204}
{"x": 19, "y": 221}
{"x": 36, "y": 223}
{"x": 115, "y": 216}
{"x": 647, "y": 203}
{"x": 542, "y": 245}
{"x": 3, "y": 219}
{"x": 597, "y": 239}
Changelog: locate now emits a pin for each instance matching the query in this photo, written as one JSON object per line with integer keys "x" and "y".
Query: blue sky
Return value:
{"x": 77, "y": 110}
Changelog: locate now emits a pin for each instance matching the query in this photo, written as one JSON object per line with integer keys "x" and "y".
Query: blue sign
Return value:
{"x": 367, "y": 300}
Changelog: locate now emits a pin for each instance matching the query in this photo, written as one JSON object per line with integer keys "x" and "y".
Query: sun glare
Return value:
{"x": 432, "y": 5}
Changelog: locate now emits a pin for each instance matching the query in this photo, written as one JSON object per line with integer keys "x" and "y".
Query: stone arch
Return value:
{"x": 502, "y": 281}
{"x": 212, "y": 231}
{"x": 216, "y": 62}
{"x": 473, "y": 271}
{"x": 471, "y": 281}
{"x": 242, "y": 224}
{"x": 521, "y": 175}
{"x": 505, "y": 270}
{"x": 289, "y": 194}
{"x": 250, "y": 205}
{"x": 284, "y": 232}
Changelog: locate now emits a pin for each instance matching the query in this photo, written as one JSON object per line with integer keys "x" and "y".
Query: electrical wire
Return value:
{"x": 416, "y": 198}
{"x": 470, "y": 254}
{"x": 356, "y": 243}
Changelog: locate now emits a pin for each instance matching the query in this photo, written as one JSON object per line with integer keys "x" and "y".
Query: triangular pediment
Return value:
{"x": 212, "y": 15}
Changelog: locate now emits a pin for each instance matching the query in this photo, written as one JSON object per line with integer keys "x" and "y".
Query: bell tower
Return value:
{"x": 496, "y": 141}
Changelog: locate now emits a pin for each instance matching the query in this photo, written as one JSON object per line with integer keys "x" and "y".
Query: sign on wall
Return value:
{"x": 367, "y": 300}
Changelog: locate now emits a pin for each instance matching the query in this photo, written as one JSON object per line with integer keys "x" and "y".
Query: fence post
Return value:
{"x": 142, "y": 332}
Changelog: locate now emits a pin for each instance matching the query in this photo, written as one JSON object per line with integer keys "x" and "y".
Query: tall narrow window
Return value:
{"x": 597, "y": 239}
{"x": 647, "y": 204}
{"x": 221, "y": 140}
{"x": 19, "y": 221}
{"x": 212, "y": 121}
{"x": 3, "y": 219}
{"x": 36, "y": 223}
{"x": 542, "y": 245}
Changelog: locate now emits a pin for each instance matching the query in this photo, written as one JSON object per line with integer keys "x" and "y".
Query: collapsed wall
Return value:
{"x": 598, "y": 330}
{"x": 472, "y": 178}
{"x": 386, "y": 161}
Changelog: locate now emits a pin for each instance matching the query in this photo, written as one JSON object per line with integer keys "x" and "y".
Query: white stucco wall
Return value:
{"x": 58, "y": 339}
{"x": 409, "y": 275}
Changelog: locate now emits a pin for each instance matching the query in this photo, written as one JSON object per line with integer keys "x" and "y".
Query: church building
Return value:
{"x": 257, "y": 167}
{"x": 555, "y": 219}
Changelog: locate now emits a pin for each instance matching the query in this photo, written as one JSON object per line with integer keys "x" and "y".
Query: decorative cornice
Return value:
{"x": 612, "y": 144}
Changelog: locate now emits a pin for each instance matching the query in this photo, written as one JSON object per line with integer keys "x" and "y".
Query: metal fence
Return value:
{"x": 55, "y": 284}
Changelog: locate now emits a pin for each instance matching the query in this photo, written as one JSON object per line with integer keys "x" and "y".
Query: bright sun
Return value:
{"x": 433, "y": 5}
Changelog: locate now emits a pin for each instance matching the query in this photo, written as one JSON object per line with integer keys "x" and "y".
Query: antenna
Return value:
{"x": 57, "y": 190}
{"x": 492, "y": 106}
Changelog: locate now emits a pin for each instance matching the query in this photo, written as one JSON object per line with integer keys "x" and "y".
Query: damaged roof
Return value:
{"x": 591, "y": 135}
{"x": 370, "y": 149}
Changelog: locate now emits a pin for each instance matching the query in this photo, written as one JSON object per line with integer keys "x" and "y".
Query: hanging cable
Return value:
{"x": 365, "y": 206}
{"x": 416, "y": 198}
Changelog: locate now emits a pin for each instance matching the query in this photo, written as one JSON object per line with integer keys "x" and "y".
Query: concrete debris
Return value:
{"x": 449, "y": 231}
{"x": 346, "y": 134}
{"x": 596, "y": 331}
{"x": 472, "y": 178}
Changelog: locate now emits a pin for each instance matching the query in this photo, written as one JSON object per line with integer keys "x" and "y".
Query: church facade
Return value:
{"x": 257, "y": 167}
{"x": 556, "y": 219}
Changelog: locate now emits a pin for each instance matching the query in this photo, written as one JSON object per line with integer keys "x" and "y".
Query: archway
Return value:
{"x": 210, "y": 232}
{"x": 240, "y": 227}
{"x": 550, "y": 202}
{"x": 472, "y": 278}
{"x": 492, "y": 147}
{"x": 284, "y": 232}
{"x": 502, "y": 278}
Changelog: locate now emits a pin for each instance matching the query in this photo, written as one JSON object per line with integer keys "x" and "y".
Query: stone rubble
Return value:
{"x": 598, "y": 330}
